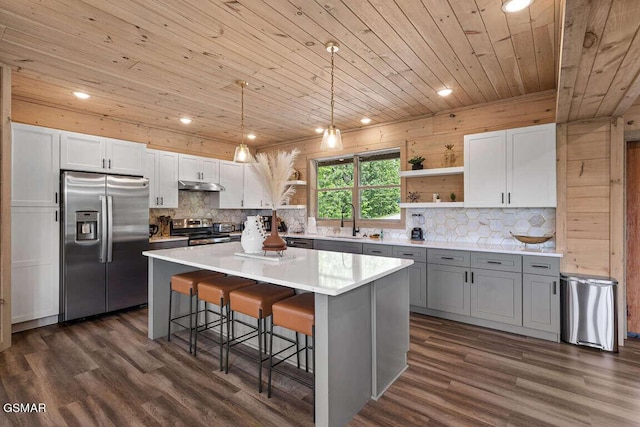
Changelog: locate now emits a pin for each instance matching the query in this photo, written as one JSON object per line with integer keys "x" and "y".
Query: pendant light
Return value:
{"x": 331, "y": 139}
{"x": 242, "y": 153}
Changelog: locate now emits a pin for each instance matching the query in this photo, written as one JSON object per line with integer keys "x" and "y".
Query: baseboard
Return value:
{"x": 35, "y": 323}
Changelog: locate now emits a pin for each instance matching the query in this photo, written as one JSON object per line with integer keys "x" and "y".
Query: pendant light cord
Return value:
{"x": 332, "y": 87}
{"x": 242, "y": 114}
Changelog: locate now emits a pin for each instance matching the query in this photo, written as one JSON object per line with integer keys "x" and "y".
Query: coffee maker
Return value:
{"x": 417, "y": 233}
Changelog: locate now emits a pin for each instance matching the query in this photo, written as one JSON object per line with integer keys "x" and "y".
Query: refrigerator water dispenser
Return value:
{"x": 86, "y": 225}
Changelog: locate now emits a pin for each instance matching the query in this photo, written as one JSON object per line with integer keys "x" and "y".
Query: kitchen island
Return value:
{"x": 361, "y": 313}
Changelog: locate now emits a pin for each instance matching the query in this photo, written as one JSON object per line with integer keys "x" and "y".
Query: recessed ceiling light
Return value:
{"x": 365, "y": 120}
{"x": 445, "y": 92}
{"x": 511, "y": 6}
{"x": 319, "y": 130}
{"x": 185, "y": 120}
{"x": 251, "y": 136}
{"x": 81, "y": 95}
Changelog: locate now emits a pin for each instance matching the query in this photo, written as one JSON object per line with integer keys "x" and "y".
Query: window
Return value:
{"x": 371, "y": 182}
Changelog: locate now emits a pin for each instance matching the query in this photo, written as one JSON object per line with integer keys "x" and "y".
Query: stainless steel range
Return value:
{"x": 198, "y": 230}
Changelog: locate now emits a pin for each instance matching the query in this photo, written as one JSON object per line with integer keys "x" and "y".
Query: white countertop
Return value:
{"x": 167, "y": 239}
{"x": 328, "y": 273}
{"x": 476, "y": 247}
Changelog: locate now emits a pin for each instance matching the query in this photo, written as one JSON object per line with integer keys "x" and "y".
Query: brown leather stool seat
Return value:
{"x": 216, "y": 290}
{"x": 187, "y": 284}
{"x": 296, "y": 313}
{"x": 256, "y": 301}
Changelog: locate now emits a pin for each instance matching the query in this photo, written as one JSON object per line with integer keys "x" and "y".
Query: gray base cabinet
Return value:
{"x": 338, "y": 246}
{"x": 497, "y": 296}
{"x": 448, "y": 289}
{"x": 541, "y": 294}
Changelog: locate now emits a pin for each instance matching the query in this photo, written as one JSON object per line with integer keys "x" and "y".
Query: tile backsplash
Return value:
{"x": 466, "y": 225}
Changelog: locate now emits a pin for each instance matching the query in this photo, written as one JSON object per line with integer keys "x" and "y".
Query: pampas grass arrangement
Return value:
{"x": 275, "y": 168}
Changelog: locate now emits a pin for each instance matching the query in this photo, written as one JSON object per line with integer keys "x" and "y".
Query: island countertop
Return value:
{"x": 328, "y": 273}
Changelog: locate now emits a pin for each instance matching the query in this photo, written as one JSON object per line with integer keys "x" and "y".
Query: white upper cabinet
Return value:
{"x": 232, "y": 179}
{"x": 254, "y": 192}
{"x": 35, "y": 166}
{"x": 512, "y": 168}
{"x": 161, "y": 167}
{"x": 200, "y": 169}
{"x": 531, "y": 166}
{"x": 98, "y": 154}
{"x": 125, "y": 157}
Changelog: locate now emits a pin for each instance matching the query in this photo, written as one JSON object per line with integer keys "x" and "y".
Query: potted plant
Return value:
{"x": 416, "y": 162}
{"x": 452, "y": 197}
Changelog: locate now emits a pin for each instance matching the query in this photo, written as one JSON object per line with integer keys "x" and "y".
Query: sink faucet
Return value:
{"x": 353, "y": 213}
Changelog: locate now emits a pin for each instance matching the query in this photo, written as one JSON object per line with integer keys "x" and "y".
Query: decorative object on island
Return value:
{"x": 253, "y": 235}
{"x": 416, "y": 162}
{"x": 452, "y": 197}
{"x": 532, "y": 240}
{"x": 413, "y": 196}
{"x": 242, "y": 153}
{"x": 275, "y": 169}
{"x": 449, "y": 158}
{"x": 436, "y": 198}
{"x": 331, "y": 139}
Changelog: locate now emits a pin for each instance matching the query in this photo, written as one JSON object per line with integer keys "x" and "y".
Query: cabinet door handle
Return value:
{"x": 472, "y": 277}
{"x": 376, "y": 252}
{"x": 157, "y": 201}
{"x": 466, "y": 277}
{"x": 502, "y": 198}
{"x": 242, "y": 203}
{"x": 102, "y": 163}
{"x": 109, "y": 163}
{"x": 509, "y": 198}
{"x": 56, "y": 216}
{"x": 56, "y": 197}
{"x": 162, "y": 201}
{"x": 546, "y": 267}
{"x": 554, "y": 287}
{"x": 407, "y": 254}
{"x": 450, "y": 258}
{"x": 494, "y": 262}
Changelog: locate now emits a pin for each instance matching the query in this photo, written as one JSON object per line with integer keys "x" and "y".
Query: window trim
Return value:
{"x": 355, "y": 191}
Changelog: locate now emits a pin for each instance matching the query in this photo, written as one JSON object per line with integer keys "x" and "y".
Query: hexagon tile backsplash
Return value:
{"x": 466, "y": 225}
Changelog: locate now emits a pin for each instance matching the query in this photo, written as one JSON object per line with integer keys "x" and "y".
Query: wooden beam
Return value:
{"x": 5, "y": 207}
{"x": 575, "y": 20}
{"x": 617, "y": 220}
{"x": 561, "y": 179}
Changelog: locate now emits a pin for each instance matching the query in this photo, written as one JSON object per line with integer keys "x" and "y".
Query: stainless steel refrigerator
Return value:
{"x": 105, "y": 229}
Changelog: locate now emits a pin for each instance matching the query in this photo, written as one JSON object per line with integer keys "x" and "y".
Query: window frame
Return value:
{"x": 355, "y": 191}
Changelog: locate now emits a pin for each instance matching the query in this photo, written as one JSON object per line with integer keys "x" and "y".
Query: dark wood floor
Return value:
{"x": 106, "y": 372}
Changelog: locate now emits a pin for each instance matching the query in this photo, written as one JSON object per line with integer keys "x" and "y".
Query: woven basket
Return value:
{"x": 532, "y": 240}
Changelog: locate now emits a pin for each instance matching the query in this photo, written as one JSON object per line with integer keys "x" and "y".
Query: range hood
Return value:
{"x": 199, "y": 186}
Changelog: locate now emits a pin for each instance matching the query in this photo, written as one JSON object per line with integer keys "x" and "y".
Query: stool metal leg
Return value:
{"x": 169, "y": 328}
{"x": 220, "y": 320}
{"x": 306, "y": 353}
{"x": 298, "y": 349}
{"x": 260, "y": 322}
{"x": 313, "y": 381}
{"x": 270, "y": 359}
{"x": 190, "y": 320}
{"x": 226, "y": 369}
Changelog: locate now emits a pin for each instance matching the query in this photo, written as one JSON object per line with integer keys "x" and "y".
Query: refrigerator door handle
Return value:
{"x": 110, "y": 228}
{"x": 103, "y": 231}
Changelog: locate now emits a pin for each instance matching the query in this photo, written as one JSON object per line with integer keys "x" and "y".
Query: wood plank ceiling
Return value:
{"x": 152, "y": 61}
{"x": 600, "y": 65}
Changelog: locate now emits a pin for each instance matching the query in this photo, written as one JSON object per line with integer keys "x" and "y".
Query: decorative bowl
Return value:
{"x": 532, "y": 240}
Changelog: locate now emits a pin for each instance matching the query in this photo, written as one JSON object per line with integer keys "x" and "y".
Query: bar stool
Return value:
{"x": 187, "y": 284}
{"x": 297, "y": 314}
{"x": 215, "y": 290}
{"x": 255, "y": 301}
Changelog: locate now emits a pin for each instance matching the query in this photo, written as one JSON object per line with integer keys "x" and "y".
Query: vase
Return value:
{"x": 449, "y": 158}
{"x": 253, "y": 235}
{"x": 417, "y": 166}
{"x": 274, "y": 242}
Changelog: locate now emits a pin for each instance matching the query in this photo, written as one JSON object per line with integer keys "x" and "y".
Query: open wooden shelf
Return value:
{"x": 432, "y": 172}
{"x": 432, "y": 205}
{"x": 298, "y": 182}
{"x": 292, "y": 207}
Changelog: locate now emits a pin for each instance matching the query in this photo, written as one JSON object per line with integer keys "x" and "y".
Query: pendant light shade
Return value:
{"x": 331, "y": 139}
{"x": 242, "y": 153}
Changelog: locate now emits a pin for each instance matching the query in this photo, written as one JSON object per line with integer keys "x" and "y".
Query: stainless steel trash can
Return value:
{"x": 588, "y": 311}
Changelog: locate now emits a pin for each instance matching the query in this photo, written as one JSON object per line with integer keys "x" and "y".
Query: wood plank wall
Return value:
{"x": 159, "y": 139}
{"x": 427, "y": 137}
